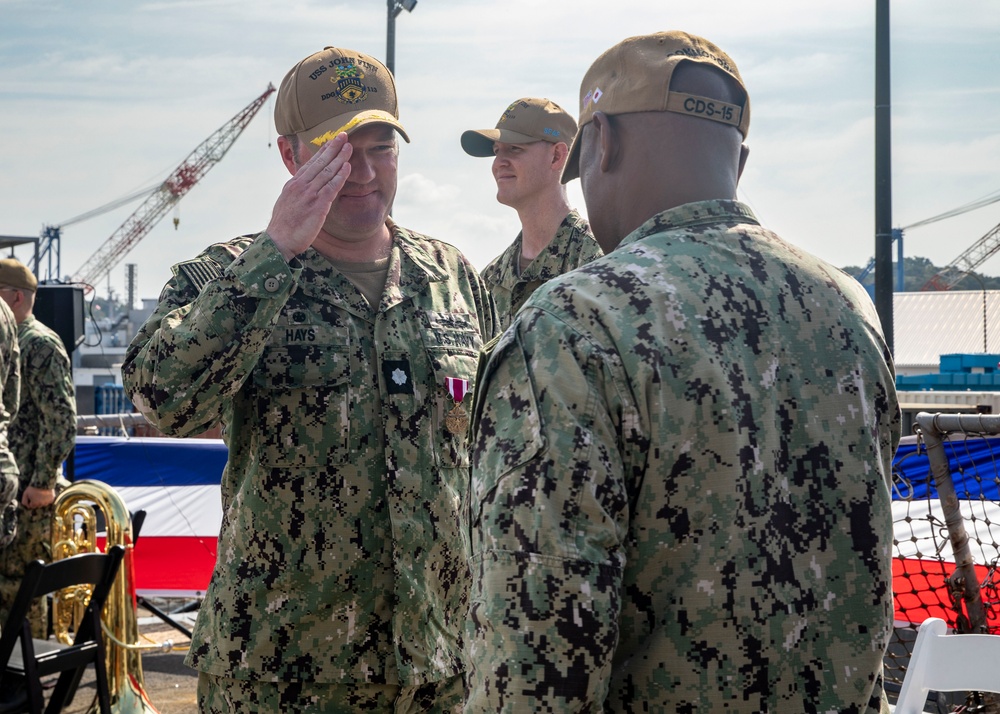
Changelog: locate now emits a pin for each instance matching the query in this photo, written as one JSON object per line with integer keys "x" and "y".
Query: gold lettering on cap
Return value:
{"x": 331, "y": 135}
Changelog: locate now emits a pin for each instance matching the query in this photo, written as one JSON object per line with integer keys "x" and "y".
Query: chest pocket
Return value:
{"x": 451, "y": 446}
{"x": 452, "y": 342}
{"x": 304, "y": 400}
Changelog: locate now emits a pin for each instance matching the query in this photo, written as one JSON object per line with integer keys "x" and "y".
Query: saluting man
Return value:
{"x": 336, "y": 348}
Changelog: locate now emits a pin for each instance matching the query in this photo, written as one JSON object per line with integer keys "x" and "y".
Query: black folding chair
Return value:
{"x": 34, "y": 659}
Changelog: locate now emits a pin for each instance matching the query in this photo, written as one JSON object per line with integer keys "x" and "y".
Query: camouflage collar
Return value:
{"x": 411, "y": 268}
{"x": 420, "y": 261}
{"x": 693, "y": 214}
{"x": 541, "y": 267}
{"x": 25, "y": 325}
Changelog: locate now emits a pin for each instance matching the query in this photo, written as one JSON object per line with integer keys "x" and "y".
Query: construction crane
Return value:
{"x": 951, "y": 274}
{"x": 49, "y": 246}
{"x": 897, "y": 238}
{"x": 161, "y": 198}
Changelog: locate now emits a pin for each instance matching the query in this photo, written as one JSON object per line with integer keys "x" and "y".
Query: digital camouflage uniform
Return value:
{"x": 339, "y": 555}
{"x": 41, "y": 438}
{"x": 680, "y": 483}
{"x": 572, "y": 246}
{"x": 10, "y": 395}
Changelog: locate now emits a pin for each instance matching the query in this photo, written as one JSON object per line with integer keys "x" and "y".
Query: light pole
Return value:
{"x": 883, "y": 174}
{"x": 983, "y": 286}
{"x": 394, "y": 8}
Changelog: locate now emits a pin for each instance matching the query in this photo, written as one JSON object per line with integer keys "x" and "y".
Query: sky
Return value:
{"x": 101, "y": 99}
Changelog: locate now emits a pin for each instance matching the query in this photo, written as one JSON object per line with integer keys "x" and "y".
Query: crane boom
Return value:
{"x": 950, "y": 275}
{"x": 183, "y": 178}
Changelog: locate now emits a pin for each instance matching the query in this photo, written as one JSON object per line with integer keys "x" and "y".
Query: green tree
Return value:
{"x": 917, "y": 271}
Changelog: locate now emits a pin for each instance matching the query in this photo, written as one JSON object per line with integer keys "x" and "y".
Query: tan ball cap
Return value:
{"x": 525, "y": 121}
{"x": 333, "y": 91}
{"x": 15, "y": 274}
{"x": 635, "y": 74}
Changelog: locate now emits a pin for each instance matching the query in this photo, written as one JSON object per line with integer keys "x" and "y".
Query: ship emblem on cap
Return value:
{"x": 509, "y": 111}
{"x": 350, "y": 88}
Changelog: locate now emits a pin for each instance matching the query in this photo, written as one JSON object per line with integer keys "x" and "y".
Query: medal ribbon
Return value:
{"x": 457, "y": 387}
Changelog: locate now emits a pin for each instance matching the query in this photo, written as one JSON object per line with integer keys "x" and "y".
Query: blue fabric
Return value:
{"x": 974, "y": 469}
{"x": 122, "y": 462}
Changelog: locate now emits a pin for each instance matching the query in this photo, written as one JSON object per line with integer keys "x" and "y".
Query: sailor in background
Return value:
{"x": 41, "y": 436}
{"x": 529, "y": 147}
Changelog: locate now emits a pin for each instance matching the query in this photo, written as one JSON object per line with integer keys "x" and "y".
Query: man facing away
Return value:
{"x": 682, "y": 451}
{"x": 336, "y": 348}
{"x": 529, "y": 147}
{"x": 41, "y": 436}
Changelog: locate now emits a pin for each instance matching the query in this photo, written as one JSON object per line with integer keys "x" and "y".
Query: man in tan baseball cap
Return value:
{"x": 636, "y": 76}
{"x": 529, "y": 147}
{"x": 336, "y": 348}
{"x": 17, "y": 275}
{"x": 41, "y": 436}
{"x": 333, "y": 91}
{"x": 682, "y": 451}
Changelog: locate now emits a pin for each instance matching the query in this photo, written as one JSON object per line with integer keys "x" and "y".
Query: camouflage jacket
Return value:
{"x": 10, "y": 395}
{"x": 339, "y": 557}
{"x": 680, "y": 484}
{"x": 44, "y": 431}
{"x": 572, "y": 246}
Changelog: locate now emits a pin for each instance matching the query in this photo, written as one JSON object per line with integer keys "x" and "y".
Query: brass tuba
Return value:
{"x": 74, "y": 531}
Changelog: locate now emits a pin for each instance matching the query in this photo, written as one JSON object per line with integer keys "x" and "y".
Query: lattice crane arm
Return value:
{"x": 974, "y": 256}
{"x": 180, "y": 181}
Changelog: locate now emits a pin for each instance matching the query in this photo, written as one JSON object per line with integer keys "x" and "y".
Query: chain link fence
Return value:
{"x": 946, "y": 539}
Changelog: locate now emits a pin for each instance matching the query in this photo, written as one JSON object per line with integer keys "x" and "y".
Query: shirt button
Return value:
{"x": 272, "y": 285}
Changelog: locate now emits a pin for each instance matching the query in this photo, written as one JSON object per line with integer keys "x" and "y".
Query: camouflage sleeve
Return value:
{"x": 10, "y": 372}
{"x": 892, "y": 419}
{"x": 197, "y": 349}
{"x": 547, "y": 518}
{"x": 50, "y": 387}
{"x": 590, "y": 250}
{"x": 10, "y": 396}
{"x": 489, "y": 322}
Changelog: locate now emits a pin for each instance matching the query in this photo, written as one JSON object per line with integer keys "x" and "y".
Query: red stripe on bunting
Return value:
{"x": 919, "y": 590}
{"x": 181, "y": 564}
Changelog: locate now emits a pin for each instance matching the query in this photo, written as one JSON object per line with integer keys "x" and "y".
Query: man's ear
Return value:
{"x": 608, "y": 141}
{"x": 287, "y": 152}
{"x": 744, "y": 153}
{"x": 560, "y": 152}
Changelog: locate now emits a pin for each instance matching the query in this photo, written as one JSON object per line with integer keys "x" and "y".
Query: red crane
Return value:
{"x": 952, "y": 274}
{"x": 162, "y": 198}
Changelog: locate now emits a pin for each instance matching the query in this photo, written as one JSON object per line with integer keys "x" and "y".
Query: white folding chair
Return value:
{"x": 948, "y": 663}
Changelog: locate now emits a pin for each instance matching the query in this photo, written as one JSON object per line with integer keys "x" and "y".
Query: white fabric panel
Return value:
{"x": 176, "y": 511}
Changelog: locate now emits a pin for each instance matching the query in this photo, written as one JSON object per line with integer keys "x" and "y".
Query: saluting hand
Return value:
{"x": 306, "y": 198}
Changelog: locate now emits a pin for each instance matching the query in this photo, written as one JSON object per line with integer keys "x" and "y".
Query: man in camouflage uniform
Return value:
{"x": 529, "y": 147}
{"x": 335, "y": 348}
{"x": 41, "y": 436}
{"x": 10, "y": 395}
{"x": 682, "y": 451}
